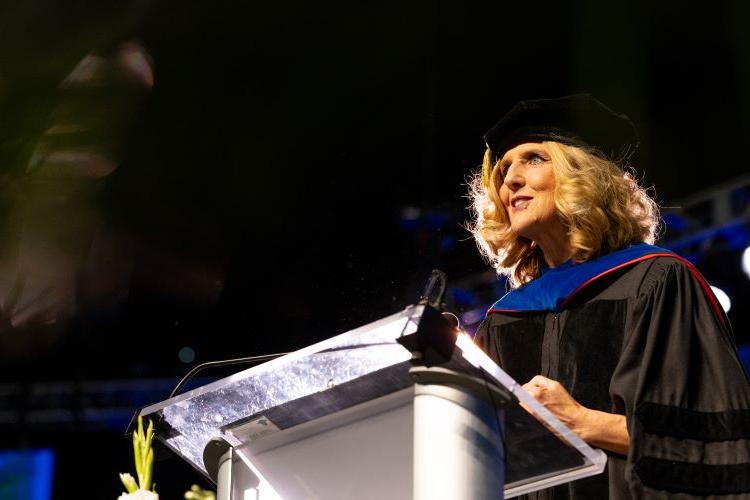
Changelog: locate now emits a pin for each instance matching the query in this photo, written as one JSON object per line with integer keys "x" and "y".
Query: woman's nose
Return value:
{"x": 513, "y": 180}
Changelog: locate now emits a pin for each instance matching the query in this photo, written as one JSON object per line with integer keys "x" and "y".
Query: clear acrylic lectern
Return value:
{"x": 402, "y": 408}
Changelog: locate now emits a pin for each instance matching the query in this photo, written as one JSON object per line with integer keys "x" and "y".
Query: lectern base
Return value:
{"x": 425, "y": 442}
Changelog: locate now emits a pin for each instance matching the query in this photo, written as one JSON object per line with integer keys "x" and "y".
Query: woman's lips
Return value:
{"x": 520, "y": 202}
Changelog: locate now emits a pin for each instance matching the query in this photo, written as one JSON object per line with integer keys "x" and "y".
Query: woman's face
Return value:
{"x": 528, "y": 191}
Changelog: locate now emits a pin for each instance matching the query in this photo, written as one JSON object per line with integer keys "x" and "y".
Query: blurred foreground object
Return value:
{"x": 198, "y": 493}
{"x": 57, "y": 255}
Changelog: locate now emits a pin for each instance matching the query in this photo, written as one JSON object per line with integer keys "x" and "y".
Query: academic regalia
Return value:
{"x": 637, "y": 332}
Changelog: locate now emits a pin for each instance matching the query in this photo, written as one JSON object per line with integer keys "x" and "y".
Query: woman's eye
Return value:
{"x": 536, "y": 159}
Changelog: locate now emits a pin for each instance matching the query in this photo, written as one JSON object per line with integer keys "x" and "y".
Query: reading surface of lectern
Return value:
{"x": 398, "y": 408}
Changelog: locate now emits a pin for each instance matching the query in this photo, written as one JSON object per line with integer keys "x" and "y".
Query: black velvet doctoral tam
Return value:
{"x": 577, "y": 120}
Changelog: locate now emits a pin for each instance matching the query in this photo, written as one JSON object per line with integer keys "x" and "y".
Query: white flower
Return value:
{"x": 139, "y": 495}
{"x": 129, "y": 482}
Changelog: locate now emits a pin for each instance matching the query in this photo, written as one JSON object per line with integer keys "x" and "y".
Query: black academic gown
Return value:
{"x": 647, "y": 341}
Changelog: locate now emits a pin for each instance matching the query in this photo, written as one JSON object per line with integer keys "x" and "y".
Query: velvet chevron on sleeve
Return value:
{"x": 684, "y": 392}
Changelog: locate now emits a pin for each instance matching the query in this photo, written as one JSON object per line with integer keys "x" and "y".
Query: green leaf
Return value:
{"x": 140, "y": 426}
{"x": 149, "y": 435}
{"x": 148, "y": 467}
{"x": 143, "y": 454}
{"x": 137, "y": 454}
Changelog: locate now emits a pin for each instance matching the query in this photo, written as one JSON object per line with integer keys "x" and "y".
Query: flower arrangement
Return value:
{"x": 144, "y": 464}
{"x": 143, "y": 489}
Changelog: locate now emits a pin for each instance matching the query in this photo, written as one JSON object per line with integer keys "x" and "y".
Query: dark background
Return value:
{"x": 296, "y": 170}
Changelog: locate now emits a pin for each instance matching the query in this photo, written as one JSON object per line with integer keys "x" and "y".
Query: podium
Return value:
{"x": 402, "y": 408}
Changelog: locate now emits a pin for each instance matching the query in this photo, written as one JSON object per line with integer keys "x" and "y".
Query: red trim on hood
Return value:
{"x": 718, "y": 310}
{"x": 505, "y": 311}
{"x": 611, "y": 270}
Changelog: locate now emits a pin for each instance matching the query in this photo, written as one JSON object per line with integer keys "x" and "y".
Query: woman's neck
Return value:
{"x": 555, "y": 247}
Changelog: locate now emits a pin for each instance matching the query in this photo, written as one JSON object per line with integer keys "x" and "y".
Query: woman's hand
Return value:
{"x": 597, "y": 428}
{"x": 556, "y": 399}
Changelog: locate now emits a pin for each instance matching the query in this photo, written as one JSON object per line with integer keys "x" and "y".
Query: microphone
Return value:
{"x": 434, "y": 296}
{"x": 224, "y": 362}
{"x": 434, "y": 291}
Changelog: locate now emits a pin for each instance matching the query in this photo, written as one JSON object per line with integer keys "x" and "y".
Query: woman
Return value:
{"x": 623, "y": 341}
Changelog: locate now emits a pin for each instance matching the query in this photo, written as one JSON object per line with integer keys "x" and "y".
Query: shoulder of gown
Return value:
{"x": 684, "y": 390}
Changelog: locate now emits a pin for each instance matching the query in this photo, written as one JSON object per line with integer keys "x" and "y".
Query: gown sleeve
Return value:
{"x": 683, "y": 391}
{"x": 481, "y": 336}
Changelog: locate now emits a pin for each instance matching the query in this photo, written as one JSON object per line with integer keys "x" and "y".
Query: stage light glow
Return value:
{"x": 27, "y": 474}
{"x": 723, "y": 298}
{"x": 186, "y": 355}
{"x": 746, "y": 261}
{"x": 473, "y": 316}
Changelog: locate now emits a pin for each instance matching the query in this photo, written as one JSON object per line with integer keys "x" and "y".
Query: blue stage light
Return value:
{"x": 743, "y": 351}
{"x": 26, "y": 474}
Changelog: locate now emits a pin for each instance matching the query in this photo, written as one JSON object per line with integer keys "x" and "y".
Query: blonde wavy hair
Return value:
{"x": 602, "y": 207}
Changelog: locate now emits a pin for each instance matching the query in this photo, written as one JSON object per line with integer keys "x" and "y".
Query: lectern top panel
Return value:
{"x": 190, "y": 420}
